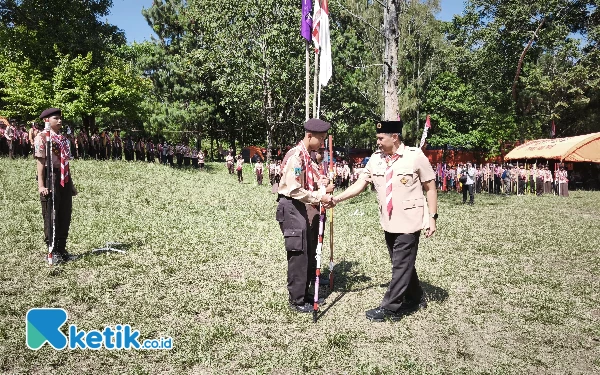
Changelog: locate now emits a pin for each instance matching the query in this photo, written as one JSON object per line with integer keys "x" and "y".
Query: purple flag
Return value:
{"x": 306, "y": 28}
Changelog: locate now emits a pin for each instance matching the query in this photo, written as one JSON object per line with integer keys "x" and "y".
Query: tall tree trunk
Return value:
{"x": 89, "y": 122}
{"x": 520, "y": 63}
{"x": 390, "y": 59}
{"x": 268, "y": 104}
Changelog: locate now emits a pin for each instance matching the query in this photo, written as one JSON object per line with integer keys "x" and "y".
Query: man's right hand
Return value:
{"x": 326, "y": 198}
{"x": 327, "y": 201}
{"x": 43, "y": 191}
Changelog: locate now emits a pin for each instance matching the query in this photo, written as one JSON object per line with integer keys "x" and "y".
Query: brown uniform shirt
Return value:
{"x": 410, "y": 213}
{"x": 293, "y": 176}
{"x": 40, "y": 149}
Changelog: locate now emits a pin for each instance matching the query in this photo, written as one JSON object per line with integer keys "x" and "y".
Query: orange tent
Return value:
{"x": 581, "y": 148}
{"x": 253, "y": 150}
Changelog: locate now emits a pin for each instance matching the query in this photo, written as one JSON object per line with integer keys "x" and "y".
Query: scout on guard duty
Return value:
{"x": 296, "y": 189}
{"x": 64, "y": 190}
{"x": 400, "y": 174}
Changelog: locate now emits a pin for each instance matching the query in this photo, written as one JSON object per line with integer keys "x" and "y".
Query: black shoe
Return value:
{"x": 409, "y": 307}
{"x": 65, "y": 257}
{"x": 306, "y": 308}
{"x": 380, "y": 314}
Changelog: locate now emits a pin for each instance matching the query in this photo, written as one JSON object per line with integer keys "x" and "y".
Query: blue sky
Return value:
{"x": 127, "y": 15}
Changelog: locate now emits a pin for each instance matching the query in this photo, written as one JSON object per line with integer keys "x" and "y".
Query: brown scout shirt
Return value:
{"x": 293, "y": 176}
{"x": 410, "y": 213}
{"x": 40, "y": 149}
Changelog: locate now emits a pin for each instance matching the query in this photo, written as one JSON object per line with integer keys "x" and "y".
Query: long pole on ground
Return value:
{"x": 331, "y": 264}
{"x": 50, "y": 186}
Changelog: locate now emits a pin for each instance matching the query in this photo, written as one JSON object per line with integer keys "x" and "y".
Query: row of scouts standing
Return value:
{"x": 17, "y": 141}
{"x": 503, "y": 179}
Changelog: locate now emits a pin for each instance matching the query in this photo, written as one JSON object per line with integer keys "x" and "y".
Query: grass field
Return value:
{"x": 513, "y": 282}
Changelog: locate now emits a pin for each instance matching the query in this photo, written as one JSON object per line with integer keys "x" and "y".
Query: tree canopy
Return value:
{"x": 234, "y": 72}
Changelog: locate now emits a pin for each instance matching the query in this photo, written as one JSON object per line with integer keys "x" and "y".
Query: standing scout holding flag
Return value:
{"x": 55, "y": 185}
{"x": 295, "y": 192}
{"x": 400, "y": 174}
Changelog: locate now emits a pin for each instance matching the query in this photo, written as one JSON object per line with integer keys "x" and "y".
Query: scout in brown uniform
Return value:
{"x": 532, "y": 173}
{"x": 296, "y": 190}
{"x": 229, "y": 162}
{"x": 201, "y": 159}
{"x": 258, "y": 170}
{"x": 563, "y": 182}
{"x": 547, "y": 180}
{"x": 64, "y": 190}
{"x": 239, "y": 167}
{"x": 400, "y": 174}
{"x": 9, "y": 134}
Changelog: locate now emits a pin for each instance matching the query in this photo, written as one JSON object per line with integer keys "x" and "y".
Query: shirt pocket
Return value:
{"x": 410, "y": 204}
{"x": 378, "y": 177}
{"x": 406, "y": 177}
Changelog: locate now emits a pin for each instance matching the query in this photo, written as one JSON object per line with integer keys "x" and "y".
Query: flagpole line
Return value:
{"x": 319, "y": 101}
{"x": 316, "y": 84}
{"x": 307, "y": 91}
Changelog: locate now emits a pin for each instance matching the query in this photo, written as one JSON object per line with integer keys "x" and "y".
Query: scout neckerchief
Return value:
{"x": 309, "y": 182}
{"x": 63, "y": 146}
{"x": 389, "y": 173}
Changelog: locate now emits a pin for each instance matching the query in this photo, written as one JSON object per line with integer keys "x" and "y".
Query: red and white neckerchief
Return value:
{"x": 389, "y": 173}
{"x": 65, "y": 155}
{"x": 309, "y": 181}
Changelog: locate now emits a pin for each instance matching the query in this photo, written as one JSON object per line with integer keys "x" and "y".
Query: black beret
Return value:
{"x": 50, "y": 112}
{"x": 389, "y": 126}
{"x": 317, "y": 126}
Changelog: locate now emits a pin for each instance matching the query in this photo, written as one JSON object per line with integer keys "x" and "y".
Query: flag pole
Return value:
{"x": 307, "y": 98}
{"x": 316, "y": 85}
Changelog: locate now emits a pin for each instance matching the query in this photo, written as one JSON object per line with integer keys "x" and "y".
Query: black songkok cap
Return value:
{"x": 389, "y": 126}
{"x": 50, "y": 112}
{"x": 316, "y": 126}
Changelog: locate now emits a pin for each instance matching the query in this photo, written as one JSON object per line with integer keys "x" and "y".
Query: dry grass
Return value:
{"x": 513, "y": 282}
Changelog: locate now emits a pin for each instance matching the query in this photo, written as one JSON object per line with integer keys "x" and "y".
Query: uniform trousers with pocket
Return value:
{"x": 298, "y": 223}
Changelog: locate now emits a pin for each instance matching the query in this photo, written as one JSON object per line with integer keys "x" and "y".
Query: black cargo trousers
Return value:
{"x": 299, "y": 223}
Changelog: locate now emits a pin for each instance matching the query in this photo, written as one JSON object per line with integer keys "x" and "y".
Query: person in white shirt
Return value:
{"x": 469, "y": 172}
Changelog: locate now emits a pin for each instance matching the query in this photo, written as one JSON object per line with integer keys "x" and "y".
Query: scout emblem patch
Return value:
{"x": 404, "y": 180}
{"x": 297, "y": 171}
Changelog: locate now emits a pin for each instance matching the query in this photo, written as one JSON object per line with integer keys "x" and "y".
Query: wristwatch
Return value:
{"x": 434, "y": 216}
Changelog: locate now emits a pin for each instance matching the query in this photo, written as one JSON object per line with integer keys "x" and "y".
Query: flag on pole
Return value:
{"x": 322, "y": 41}
{"x": 552, "y": 130}
{"x": 427, "y": 126}
{"x": 306, "y": 26}
{"x": 316, "y": 25}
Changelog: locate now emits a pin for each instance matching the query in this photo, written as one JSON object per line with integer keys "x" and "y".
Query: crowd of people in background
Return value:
{"x": 519, "y": 179}
{"x": 467, "y": 178}
{"x": 17, "y": 141}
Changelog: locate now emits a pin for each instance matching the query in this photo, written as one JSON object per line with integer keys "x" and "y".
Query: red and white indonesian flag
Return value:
{"x": 427, "y": 126}
{"x": 320, "y": 36}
